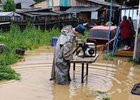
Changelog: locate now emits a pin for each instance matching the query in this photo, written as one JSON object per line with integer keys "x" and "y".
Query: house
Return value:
{"x": 81, "y": 9}
{"x": 19, "y": 3}
{"x": 40, "y": 5}
{"x": 10, "y": 16}
{"x": 84, "y": 13}
{"x": 89, "y": 10}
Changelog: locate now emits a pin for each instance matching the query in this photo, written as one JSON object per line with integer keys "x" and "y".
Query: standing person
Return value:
{"x": 64, "y": 53}
{"x": 126, "y": 33}
{"x": 133, "y": 32}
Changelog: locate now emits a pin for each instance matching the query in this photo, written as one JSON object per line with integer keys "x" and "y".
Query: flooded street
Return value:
{"x": 113, "y": 79}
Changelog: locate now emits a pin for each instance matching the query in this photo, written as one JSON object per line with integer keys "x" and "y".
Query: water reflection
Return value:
{"x": 60, "y": 92}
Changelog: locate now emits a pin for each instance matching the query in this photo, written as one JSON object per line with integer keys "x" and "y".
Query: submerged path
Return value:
{"x": 113, "y": 79}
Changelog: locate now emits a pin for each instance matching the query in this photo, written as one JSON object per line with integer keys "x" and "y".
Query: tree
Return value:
{"x": 9, "y": 5}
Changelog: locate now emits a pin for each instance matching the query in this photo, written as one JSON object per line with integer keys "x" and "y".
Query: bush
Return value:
{"x": 7, "y": 73}
{"x": 28, "y": 39}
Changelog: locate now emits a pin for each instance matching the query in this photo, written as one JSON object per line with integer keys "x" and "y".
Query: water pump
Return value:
{"x": 85, "y": 49}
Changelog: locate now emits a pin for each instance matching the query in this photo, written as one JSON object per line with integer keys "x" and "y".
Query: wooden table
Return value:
{"x": 83, "y": 61}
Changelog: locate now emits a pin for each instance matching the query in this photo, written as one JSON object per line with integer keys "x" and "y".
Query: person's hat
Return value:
{"x": 80, "y": 28}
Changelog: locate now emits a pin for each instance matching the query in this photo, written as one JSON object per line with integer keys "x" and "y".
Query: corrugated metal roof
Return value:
{"x": 60, "y": 12}
{"x": 25, "y": 3}
{"x": 9, "y": 14}
{"x": 30, "y": 15}
{"x": 44, "y": 13}
{"x": 33, "y": 14}
{"x": 34, "y": 10}
{"x": 104, "y": 3}
{"x": 77, "y": 9}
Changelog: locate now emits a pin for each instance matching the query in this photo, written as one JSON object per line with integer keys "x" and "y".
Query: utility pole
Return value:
{"x": 52, "y": 4}
{"x": 136, "y": 36}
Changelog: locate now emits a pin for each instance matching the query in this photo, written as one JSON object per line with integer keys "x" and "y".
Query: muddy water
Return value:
{"x": 113, "y": 79}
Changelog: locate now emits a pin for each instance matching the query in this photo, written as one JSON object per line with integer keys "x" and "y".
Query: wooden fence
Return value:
{"x": 46, "y": 25}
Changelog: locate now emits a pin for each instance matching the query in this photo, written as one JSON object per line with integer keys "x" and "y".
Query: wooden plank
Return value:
{"x": 124, "y": 53}
{"x": 4, "y": 23}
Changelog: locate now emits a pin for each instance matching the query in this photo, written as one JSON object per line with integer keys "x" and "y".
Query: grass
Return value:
{"x": 28, "y": 39}
{"x": 107, "y": 98}
{"x": 7, "y": 73}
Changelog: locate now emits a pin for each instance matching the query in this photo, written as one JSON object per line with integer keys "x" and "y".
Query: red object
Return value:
{"x": 126, "y": 31}
{"x": 100, "y": 35}
{"x": 101, "y": 32}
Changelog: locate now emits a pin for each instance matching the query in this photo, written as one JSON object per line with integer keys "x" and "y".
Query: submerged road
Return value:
{"x": 113, "y": 79}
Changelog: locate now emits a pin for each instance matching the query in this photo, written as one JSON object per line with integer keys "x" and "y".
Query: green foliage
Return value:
{"x": 28, "y": 39}
{"x": 2, "y": 38}
{"x": 100, "y": 92}
{"x": 83, "y": 37}
{"x": 131, "y": 60}
{"x": 107, "y": 98}
{"x": 109, "y": 56}
{"x": 103, "y": 95}
{"x": 9, "y": 5}
{"x": 7, "y": 73}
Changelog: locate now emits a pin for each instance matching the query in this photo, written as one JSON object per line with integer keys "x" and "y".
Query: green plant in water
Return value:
{"x": 28, "y": 39}
{"x": 107, "y": 98}
{"x": 103, "y": 95}
{"x": 84, "y": 37}
{"x": 7, "y": 73}
{"x": 131, "y": 60}
{"x": 108, "y": 56}
{"x": 100, "y": 92}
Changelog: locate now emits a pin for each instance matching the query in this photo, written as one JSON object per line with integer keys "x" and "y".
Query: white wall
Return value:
{"x": 132, "y": 13}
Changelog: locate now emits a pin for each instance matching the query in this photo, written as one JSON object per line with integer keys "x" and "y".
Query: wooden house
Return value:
{"x": 10, "y": 17}
{"x": 40, "y": 5}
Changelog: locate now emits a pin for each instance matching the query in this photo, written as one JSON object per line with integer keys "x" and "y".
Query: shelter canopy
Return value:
{"x": 10, "y": 14}
{"x": 77, "y": 9}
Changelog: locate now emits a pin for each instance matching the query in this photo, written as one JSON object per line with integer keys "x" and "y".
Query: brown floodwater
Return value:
{"x": 113, "y": 79}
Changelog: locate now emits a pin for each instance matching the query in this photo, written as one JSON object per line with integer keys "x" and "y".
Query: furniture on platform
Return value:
{"x": 100, "y": 34}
